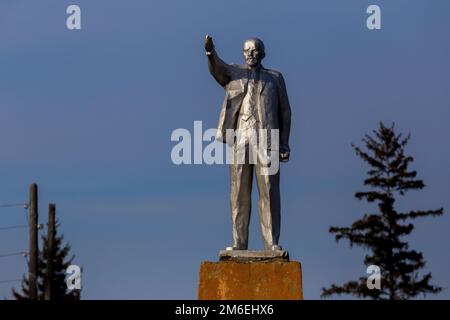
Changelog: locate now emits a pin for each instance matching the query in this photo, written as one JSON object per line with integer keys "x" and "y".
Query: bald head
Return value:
{"x": 254, "y": 52}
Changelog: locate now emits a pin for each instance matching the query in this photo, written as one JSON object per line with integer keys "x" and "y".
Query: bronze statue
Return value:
{"x": 255, "y": 98}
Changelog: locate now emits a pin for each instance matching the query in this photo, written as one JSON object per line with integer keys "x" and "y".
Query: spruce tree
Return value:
{"x": 61, "y": 261}
{"x": 382, "y": 233}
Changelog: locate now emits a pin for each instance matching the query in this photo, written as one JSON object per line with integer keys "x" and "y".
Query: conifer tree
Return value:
{"x": 61, "y": 261}
{"x": 382, "y": 233}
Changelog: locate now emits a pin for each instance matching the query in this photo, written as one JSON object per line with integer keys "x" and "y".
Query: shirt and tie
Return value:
{"x": 248, "y": 115}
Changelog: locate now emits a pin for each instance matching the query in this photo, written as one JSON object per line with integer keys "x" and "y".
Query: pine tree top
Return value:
{"x": 382, "y": 232}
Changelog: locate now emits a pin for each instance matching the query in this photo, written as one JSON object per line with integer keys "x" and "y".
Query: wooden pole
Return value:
{"x": 50, "y": 251}
{"x": 33, "y": 249}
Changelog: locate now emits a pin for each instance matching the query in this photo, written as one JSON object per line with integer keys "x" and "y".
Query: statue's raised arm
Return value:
{"x": 218, "y": 69}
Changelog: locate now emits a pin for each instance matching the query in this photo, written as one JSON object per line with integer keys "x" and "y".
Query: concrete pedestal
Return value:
{"x": 264, "y": 276}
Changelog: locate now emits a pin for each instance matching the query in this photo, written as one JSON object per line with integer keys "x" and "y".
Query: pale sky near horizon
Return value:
{"x": 88, "y": 115}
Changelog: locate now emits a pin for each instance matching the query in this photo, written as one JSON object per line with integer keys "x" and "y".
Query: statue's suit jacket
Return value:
{"x": 274, "y": 111}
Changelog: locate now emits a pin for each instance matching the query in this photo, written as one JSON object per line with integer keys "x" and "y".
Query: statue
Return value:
{"x": 256, "y": 99}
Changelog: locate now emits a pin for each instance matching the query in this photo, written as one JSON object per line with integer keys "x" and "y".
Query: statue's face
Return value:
{"x": 253, "y": 54}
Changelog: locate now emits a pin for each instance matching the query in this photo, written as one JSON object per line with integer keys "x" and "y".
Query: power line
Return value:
{"x": 39, "y": 227}
{"x": 22, "y": 253}
{"x": 14, "y": 227}
{"x": 34, "y": 228}
{"x": 24, "y": 205}
{"x": 9, "y": 281}
{"x": 12, "y": 205}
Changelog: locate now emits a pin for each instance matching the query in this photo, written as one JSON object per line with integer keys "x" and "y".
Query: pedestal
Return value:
{"x": 251, "y": 275}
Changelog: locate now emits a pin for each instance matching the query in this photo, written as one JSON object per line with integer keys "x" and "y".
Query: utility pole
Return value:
{"x": 50, "y": 251}
{"x": 33, "y": 235}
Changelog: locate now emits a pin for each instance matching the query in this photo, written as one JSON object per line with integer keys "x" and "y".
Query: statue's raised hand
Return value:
{"x": 209, "y": 45}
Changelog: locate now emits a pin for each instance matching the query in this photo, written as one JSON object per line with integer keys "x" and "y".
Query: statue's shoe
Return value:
{"x": 276, "y": 247}
{"x": 235, "y": 248}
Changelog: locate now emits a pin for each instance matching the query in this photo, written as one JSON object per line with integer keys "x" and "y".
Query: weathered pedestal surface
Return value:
{"x": 251, "y": 275}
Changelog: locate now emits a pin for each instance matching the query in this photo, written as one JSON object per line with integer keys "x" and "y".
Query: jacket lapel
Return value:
{"x": 262, "y": 80}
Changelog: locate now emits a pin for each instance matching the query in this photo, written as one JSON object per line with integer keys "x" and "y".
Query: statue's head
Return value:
{"x": 253, "y": 52}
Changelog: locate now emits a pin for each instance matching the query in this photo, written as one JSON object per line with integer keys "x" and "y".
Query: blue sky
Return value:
{"x": 88, "y": 115}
